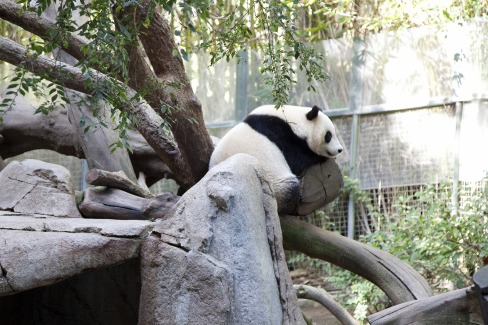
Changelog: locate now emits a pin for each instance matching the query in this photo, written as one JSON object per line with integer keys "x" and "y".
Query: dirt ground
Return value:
{"x": 319, "y": 314}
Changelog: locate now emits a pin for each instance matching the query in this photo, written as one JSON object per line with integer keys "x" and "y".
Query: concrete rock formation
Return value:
{"x": 34, "y": 186}
{"x": 218, "y": 257}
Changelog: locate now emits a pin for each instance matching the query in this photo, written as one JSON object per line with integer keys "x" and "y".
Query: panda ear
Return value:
{"x": 313, "y": 113}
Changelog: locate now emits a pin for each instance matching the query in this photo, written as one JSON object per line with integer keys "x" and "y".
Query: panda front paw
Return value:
{"x": 288, "y": 196}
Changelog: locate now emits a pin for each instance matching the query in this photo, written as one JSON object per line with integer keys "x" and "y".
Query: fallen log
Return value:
{"x": 111, "y": 203}
{"x": 118, "y": 180}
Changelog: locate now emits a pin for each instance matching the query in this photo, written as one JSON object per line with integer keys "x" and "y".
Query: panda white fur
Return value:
{"x": 286, "y": 142}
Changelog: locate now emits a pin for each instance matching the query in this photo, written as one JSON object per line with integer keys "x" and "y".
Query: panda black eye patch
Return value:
{"x": 328, "y": 137}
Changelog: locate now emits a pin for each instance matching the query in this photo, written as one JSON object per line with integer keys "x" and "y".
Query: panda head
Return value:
{"x": 322, "y": 137}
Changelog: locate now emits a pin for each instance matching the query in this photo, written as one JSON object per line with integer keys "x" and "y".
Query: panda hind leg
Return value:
{"x": 287, "y": 193}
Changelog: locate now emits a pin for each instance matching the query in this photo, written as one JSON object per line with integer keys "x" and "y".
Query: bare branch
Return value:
{"x": 31, "y": 22}
{"x": 397, "y": 279}
{"x": 325, "y": 299}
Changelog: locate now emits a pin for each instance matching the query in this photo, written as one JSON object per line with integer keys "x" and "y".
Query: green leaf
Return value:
{"x": 447, "y": 15}
{"x": 297, "y": 52}
{"x": 184, "y": 55}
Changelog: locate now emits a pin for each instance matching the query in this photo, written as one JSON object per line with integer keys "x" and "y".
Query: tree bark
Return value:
{"x": 457, "y": 307}
{"x": 397, "y": 279}
{"x": 186, "y": 119}
{"x": 116, "y": 180}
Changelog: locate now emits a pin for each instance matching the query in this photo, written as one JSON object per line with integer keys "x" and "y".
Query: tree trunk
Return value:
{"x": 148, "y": 121}
{"x": 173, "y": 87}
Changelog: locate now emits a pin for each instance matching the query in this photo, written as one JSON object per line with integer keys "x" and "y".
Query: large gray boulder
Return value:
{"x": 218, "y": 257}
{"x": 34, "y": 186}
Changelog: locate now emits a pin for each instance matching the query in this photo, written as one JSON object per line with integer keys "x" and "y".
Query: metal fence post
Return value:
{"x": 84, "y": 171}
{"x": 242, "y": 76}
{"x": 457, "y": 142}
{"x": 355, "y": 102}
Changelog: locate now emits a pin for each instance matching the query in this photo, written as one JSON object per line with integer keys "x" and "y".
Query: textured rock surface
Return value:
{"x": 227, "y": 228}
{"x": 53, "y": 249}
{"x": 104, "y": 227}
{"x": 33, "y": 186}
{"x": 183, "y": 287}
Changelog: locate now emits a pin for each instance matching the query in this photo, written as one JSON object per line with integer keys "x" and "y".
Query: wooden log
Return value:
{"x": 111, "y": 203}
{"x": 118, "y": 180}
{"x": 453, "y": 308}
{"x": 397, "y": 279}
{"x": 320, "y": 185}
{"x": 325, "y": 299}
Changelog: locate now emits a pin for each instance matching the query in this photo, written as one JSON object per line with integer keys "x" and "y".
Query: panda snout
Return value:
{"x": 334, "y": 153}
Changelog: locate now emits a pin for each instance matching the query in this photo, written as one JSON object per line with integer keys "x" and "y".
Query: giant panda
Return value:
{"x": 286, "y": 142}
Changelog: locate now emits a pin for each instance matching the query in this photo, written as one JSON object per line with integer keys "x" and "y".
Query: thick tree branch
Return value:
{"x": 148, "y": 121}
{"x": 160, "y": 46}
{"x": 458, "y": 307}
{"x": 31, "y": 22}
{"x": 188, "y": 126}
{"x": 397, "y": 279}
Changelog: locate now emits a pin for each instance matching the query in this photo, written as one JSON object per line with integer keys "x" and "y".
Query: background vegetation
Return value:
{"x": 421, "y": 230}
